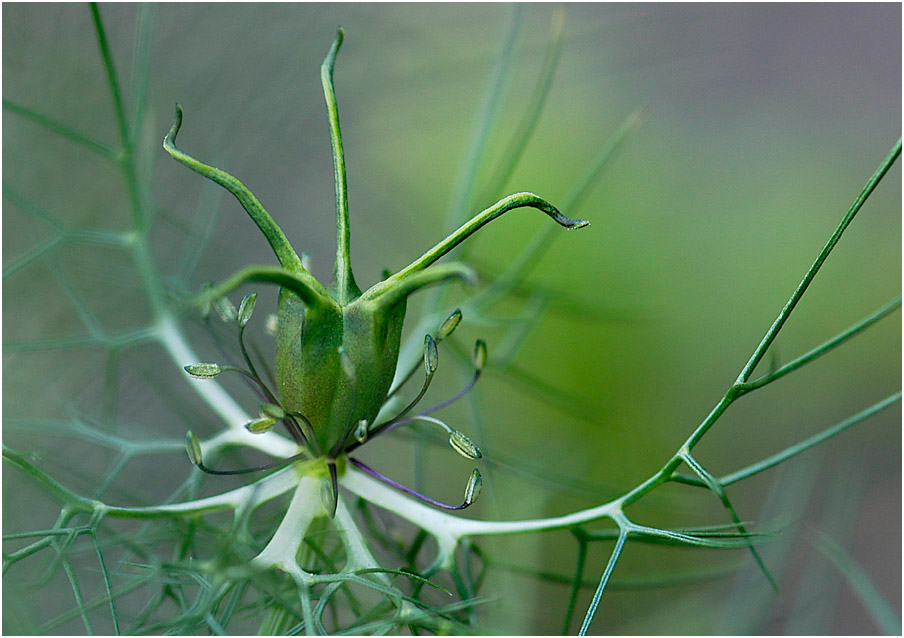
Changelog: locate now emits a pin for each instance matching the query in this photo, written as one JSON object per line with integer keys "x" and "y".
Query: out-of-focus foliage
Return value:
{"x": 762, "y": 124}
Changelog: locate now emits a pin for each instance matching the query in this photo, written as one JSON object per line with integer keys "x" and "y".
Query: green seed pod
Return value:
{"x": 472, "y": 490}
{"x": 336, "y": 347}
{"x": 246, "y": 308}
{"x": 193, "y": 447}
{"x": 450, "y": 324}
{"x": 203, "y": 370}
{"x": 463, "y": 445}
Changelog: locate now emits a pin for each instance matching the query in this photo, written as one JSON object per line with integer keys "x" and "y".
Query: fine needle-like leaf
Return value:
{"x": 876, "y": 604}
{"x": 718, "y": 489}
{"x": 61, "y": 129}
{"x": 610, "y": 566}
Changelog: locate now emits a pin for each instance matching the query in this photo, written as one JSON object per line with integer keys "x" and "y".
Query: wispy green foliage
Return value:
{"x": 263, "y": 554}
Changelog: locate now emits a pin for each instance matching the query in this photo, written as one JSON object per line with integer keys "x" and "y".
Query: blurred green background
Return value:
{"x": 763, "y": 122}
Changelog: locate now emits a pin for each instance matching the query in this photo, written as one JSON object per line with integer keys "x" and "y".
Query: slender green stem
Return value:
{"x": 610, "y": 566}
{"x": 61, "y": 129}
{"x": 108, "y": 585}
{"x": 716, "y": 488}
{"x": 259, "y": 215}
{"x": 882, "y": 613}
{"x": 515, "y": 273}
{"x": 127, "y": 158}
{"x": 821, "y": 349}
{"x": 577, "y": 580}
{"x": 111, "y": 72}
{"x": 773, "y": 331}
{"x": 525, "y": 128}
{"x": 806, "y": 444}
{"x": 345, "y": 281}
{"x": 70, "y": 499}
{"x": 490, "y": 108}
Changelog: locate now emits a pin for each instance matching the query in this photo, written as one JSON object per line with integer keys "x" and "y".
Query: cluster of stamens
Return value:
{"x": 299, "y": 427}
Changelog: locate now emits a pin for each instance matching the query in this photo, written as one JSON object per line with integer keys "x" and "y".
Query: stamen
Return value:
{"x": 431, "y": 360}
{"x": 203, "y": 370}
{"x": 463, "y": 445}
{"x": 307, "y": 431}
{"x": 245, "y": 309}
{"x": 479, "y": 359}
{"x": 261, "y": 425}
{"x": 457, "y": 440}
{"x": 272, "y": 411}
{"x": 225, "y": 309}
{"x": 471, "y": 491}
{"x": 193, "y": 447}
{"x": 450, "y": 324}
{"x": 446, "y": 328}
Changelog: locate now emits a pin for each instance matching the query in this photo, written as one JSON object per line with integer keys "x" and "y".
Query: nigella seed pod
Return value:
{"x": 203, "y": 370}
{"x": 337, "y": 347}
{"x": 472, "y": 490}
{"x": 450, "y": 324}
{"x": 463, "y": 445}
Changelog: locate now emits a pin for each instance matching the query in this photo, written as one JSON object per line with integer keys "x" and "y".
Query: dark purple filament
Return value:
{"x": 358, "y": 464}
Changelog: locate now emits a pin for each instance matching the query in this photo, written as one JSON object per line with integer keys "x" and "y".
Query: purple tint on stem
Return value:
{"x": 452, "y": 399}
{"x": 438, "y": 406}
{"x": 358, "y": 464}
